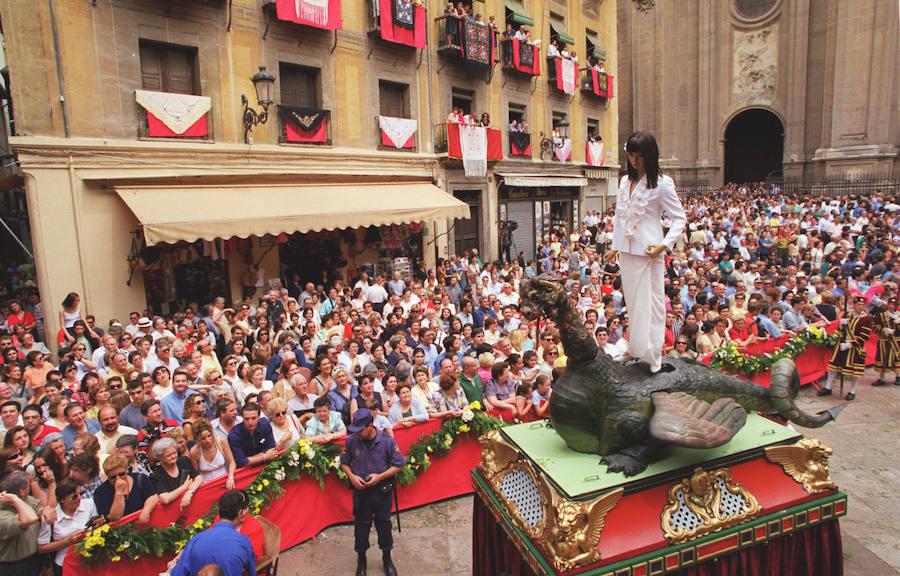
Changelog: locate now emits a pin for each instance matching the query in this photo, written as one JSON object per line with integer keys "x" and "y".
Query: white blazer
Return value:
{"x": 638, "y": 220}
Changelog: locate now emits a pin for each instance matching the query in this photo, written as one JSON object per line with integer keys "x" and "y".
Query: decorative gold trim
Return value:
{"x": 703, "y": 497}
{"x": 806, "y": 462}
{"x": 574, "y": 529}
{"x": 568, "y": 531}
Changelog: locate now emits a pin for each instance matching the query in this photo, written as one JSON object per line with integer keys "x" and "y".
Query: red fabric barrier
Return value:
{"x": 309, "y": 15}
{"x": 156, "y": 129}
{"x": 294, "y": 133}
{"x": 304, "y": 509}
{"x": 494, "y": 143}
{"x": 815, "y": 551}
{"x": 391, "y": 32}
{"x": 812, "y": 363}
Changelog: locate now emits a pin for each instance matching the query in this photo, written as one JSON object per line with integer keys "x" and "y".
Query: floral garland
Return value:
{"x": 110, "y": 543}
{"x": 733, "y": 360}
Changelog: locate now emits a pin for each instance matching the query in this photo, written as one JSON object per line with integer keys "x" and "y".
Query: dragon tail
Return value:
{"x": 783, "y": 389}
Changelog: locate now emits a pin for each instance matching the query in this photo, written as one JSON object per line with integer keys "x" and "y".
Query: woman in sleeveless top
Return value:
{"x": 71, "y": 311}
{"x": 211, "y": 455}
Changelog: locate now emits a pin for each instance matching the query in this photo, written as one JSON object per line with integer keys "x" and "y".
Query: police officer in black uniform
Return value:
{"x": 370, "y": 460}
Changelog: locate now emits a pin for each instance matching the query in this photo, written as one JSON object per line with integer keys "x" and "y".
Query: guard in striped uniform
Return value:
{"x": 849, "y": 356}
{"x": 887, "y": 356}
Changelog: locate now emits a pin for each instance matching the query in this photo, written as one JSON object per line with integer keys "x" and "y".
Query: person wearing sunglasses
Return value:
{"x": 286, "y": 429}
{"x": 74, "y": 515}
{"x": 124, "y": 492}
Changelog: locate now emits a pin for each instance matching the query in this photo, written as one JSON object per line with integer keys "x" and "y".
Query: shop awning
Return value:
{"x": 188, "y": 213}
{"x": 558, "y": 28}
{"x": 517, "y": 13}
{"x": 542, "y": 180}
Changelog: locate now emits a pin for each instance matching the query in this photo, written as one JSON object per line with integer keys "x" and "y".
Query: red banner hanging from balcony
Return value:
{"x": 519, "y": 144}
{"x": 402, "y": 22}
{"x": 601, "y": 83}
{"x": 479, "y": 146}
{"x": 526, "y": 57}
{"x": 324, "y": 14}
{"x": 594, "y": 153}
{"x": 477, "y": 42}
{"x": 174, "y": 115}
{"x": 398, "y": 132}
{"x": 566, "y": 71}
{"x": 304, "y": 125}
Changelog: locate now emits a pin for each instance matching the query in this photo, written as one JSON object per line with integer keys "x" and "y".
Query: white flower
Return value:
{"x": 467, "y": 415}
{"x": 279, "y": 475}
{"x": 336, "y": 463}
{"x": 308, "y": 452}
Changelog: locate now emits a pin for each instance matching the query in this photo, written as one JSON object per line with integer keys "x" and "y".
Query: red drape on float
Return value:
{"x": 156, "y": 129}
{"x": 517, "y": 47}
{"x": 814, "y": 551}
{"x": 305, "y": 509}
{"x": 324, "y": 14}
{"x": 392, "y": 32}
{"x": 494, "y": 143}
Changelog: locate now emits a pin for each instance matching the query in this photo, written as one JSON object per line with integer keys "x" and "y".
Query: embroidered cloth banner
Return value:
{"x": 399, "y": 131}
{"x": 177, "y": 111}
{"x": 396, "y": 26}
{"x": 473, "y": 142}
{"x": 563, "y": 151}
{"x": 521, "y": 141}
{"x": 595, "y": 153}
{"x": 325, "y": 14}
{"x": 477, "y": 42}
{"x": 404, "y": 13}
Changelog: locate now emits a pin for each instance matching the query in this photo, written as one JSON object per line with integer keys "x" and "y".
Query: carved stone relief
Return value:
{"x": 755, "y": 65}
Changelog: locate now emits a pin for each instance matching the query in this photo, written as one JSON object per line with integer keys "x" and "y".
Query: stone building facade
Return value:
{"x": 83, "y": 145}
{"x": 744, "y": 89}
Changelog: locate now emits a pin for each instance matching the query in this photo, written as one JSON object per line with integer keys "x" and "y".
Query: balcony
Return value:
{"x": 596, "y": 83}
{"x": 447, "y": 141}
{"x": 169, "y": 116}
{"x": 520, "y": 57}
{"x": 562, "y": 74}
{"x": 304, "y": 126}
{"x": 391, "y": 129}
{"x": 519, "y": 144}
{"x": 409, "y": 29}
{"x": 471, "y": 42}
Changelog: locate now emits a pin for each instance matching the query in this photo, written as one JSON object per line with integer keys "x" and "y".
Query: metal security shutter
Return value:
{"x": 523, "y": 238}
{"x": 593, "y": 203}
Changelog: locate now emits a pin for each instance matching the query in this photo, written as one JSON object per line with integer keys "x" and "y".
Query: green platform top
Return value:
{"x": 579, "y": 475}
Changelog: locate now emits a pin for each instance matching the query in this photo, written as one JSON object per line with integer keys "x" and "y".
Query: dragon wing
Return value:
{"x": 597, "y": 514}
{"x": 682, "y": 420}
{"x": 792, "y": 458}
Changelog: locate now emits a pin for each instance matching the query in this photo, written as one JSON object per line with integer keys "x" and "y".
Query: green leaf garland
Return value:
{"x": 114, "y": 543}
{"x": 730, "y": 359}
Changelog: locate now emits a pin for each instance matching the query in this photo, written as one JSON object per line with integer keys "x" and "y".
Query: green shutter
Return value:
{"x": 517, "y": 13}
{"x": 557, "y": 27}
{"x": 600, "y": 54}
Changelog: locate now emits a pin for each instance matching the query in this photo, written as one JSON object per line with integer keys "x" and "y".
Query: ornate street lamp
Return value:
{"x": 264, "y": 84}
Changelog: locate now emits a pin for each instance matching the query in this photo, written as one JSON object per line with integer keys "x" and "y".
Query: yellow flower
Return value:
{"x": 116, "y": 558}
{"x": 265, "y": 482}
{"x": 475, "y": 405}
{"x": 464, "y": 428}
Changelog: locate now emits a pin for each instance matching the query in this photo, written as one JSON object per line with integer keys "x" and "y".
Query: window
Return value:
{"x": 299, "y": 86}
{"x": 516, "y": 112}
{"x": 593, "y": 128}
{"x": 558, "y": 30}
{"x": 464, "y": 99}
{"x": 560, "y": 119}
{"x": 169, "y": 68}
{"x": 394, "y": 99}
{"x": 592, "y": 43}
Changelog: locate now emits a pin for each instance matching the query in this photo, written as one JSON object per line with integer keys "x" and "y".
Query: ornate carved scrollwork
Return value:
{"x": 705, "y": 503}
{"x": 645, "y": 5}
{"x": 806, "y": 462}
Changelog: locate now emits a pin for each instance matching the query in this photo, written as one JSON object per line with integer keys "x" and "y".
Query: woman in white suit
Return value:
{"x": 644, "y": 194}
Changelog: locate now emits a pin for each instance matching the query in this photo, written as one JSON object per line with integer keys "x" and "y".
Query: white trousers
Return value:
{"x": 644, "y": 290}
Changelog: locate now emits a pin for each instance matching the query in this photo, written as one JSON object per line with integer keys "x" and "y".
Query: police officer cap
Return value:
{"x": 361, "y": 419}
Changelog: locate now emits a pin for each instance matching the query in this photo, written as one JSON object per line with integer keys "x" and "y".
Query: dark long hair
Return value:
{"x": 644, "y": 143}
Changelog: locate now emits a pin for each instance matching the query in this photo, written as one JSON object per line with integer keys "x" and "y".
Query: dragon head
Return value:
{"x": 541, "y": 294}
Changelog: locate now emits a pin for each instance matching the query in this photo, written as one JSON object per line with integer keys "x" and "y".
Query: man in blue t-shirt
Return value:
{"x": 221, "y": 545}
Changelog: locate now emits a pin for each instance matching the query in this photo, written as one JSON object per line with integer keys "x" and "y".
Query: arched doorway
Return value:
{"x": 754, "y": 146}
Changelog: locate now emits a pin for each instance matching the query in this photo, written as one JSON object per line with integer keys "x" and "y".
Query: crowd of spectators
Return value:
{"x": 147, "y": 409}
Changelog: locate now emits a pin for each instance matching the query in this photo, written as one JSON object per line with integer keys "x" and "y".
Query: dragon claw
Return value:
{"x": 624, "y": 463}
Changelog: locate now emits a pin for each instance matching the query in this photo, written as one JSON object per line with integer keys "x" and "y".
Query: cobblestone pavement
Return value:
{"x": 436, "y": 539}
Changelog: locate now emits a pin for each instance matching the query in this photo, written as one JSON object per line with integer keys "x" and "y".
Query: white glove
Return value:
{"x": 845, "y": 345}
{"x": 887, "y": 331}
{"x": 844, "y": 321}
